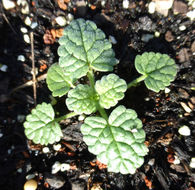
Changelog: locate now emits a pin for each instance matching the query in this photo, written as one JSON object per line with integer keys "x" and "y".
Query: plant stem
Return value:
{"x": 69, "y": 115}
{"x": 101, "y": 110}
{"x": 136, "y": 81}
{"x": 90, "y": 76}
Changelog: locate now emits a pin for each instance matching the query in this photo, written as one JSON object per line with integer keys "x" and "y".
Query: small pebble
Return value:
{"x": 57, "y": 147}
{"x": 182, "y": 28}
{"x": 146, "y": 23}
{"x": 151, "y": 7}
{"x": 192, "y": 99}
{"x": 112, "y": 39}
{"x": 27, "y": 21}
{"x": 191, "y": 14}
{"x": 183, "y": 55}
{"x": 28, "y": 165}
{"x": 64, "y": 167}
{"x": 54, "y": 181}
{"x": 103, "y": 3}
{"x": 46, "y": 150}
{"x": 163, "y": 6}
{"x": 185, "y": 107}
{"x": 70, "y": 17}
{"x": 192, "y": 163}
{"x": 1, "y": 134}
{"x": 8, "y": 4}
{"x": 9, "y": 151}
{"x": 56, "y": 167}
{"x": 21, "y": 118}
{"x": 26, "y": 38}
{"x": 157, "y": 34}
{"x": 24, "y": 6}
{"x": 184, "y": 130}
{"x": 183, "y": 93}
{"x": 23, "y": 30}
{"x": 30, "y": 176}
{"x": 3, "y": 68}
{"x": 21, "y": 58}
{"x": 125, "y": 4}
{"x": 36, "y": 152}
{"x": 167, "y": 90}
{"x": 147, "y": 37}
{"x": 19, "y": 170}
{"x": 151, "y": 162}
{"x": 81, "y": 117}
{"x": 147, "y": 99}
{"x": 169, "y": 36}
{"x": 176, "y": 161}
{"x": 30, "y": 185}
{"x": 61, "y": 21}
{"x": 34, "y": 25}
{"x": 179, "y": 7}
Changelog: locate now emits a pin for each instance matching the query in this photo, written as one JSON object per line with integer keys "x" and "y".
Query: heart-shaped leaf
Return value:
{"x": 82, "y": 99}
{"x": 83, "y": 45}
{"x": 40, "y": 126}
{"x": 111, "y": 89}
{"x": 159, "y": 70}
{"x": 118, "y": 143}
{"x": 57, "y": 81}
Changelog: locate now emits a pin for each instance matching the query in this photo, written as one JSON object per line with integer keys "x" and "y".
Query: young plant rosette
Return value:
{"x": 117, "y": 139}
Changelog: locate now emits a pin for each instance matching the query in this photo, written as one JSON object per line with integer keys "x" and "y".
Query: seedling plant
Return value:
{"x": 117, "y": 139}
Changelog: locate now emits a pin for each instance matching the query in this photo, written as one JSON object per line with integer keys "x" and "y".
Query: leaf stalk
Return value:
{"x": 136, "y": 81}
{"x": 69, "y": 115}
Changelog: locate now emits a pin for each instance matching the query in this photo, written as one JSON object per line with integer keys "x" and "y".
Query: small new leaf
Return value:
{"x": 40, "y": 126}
{"x": 111, "y": 89}
{"x": 82, "y": 99}
{"x": 159, "y": 70}
{"x": 57, "y": 81}
{"x": 118, "y": 143}
{"x": 84, "y": 46}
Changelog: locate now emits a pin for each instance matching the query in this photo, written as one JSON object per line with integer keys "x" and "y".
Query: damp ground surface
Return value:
{"x": 135, "y": 30}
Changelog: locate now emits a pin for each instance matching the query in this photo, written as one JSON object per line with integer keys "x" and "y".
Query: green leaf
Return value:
{"x": 83, "y": 45}
{"x": 57, "y": 81}
{"x": 111, "y": 89}
{"x": 82, "y": 99}
{"x": 159, "y": 70}
{"x": 119, "y": 143}
{"x": 40, "y": 126}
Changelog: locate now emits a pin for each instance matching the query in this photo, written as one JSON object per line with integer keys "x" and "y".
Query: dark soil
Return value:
{"x": 162, "y": 113}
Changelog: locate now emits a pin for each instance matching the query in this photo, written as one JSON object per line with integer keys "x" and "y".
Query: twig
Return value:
{"x": 33, "y": 68}
{"x": 29, "y": 83}
{"x": 4, "y": 16}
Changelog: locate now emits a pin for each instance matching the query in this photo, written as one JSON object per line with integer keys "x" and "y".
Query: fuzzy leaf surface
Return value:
{"x": 83, "y": 45}
{"x": 118, "y": 143}
{"x": 111, "y": 89}
{"x": 159, "y": 70}
{"x": 81, "y": 99}
{"x": 40, "y": 126}
{"x": 57, "y": 81}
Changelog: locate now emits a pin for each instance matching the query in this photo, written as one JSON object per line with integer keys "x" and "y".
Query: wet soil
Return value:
{"x": 161, "y": 113}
